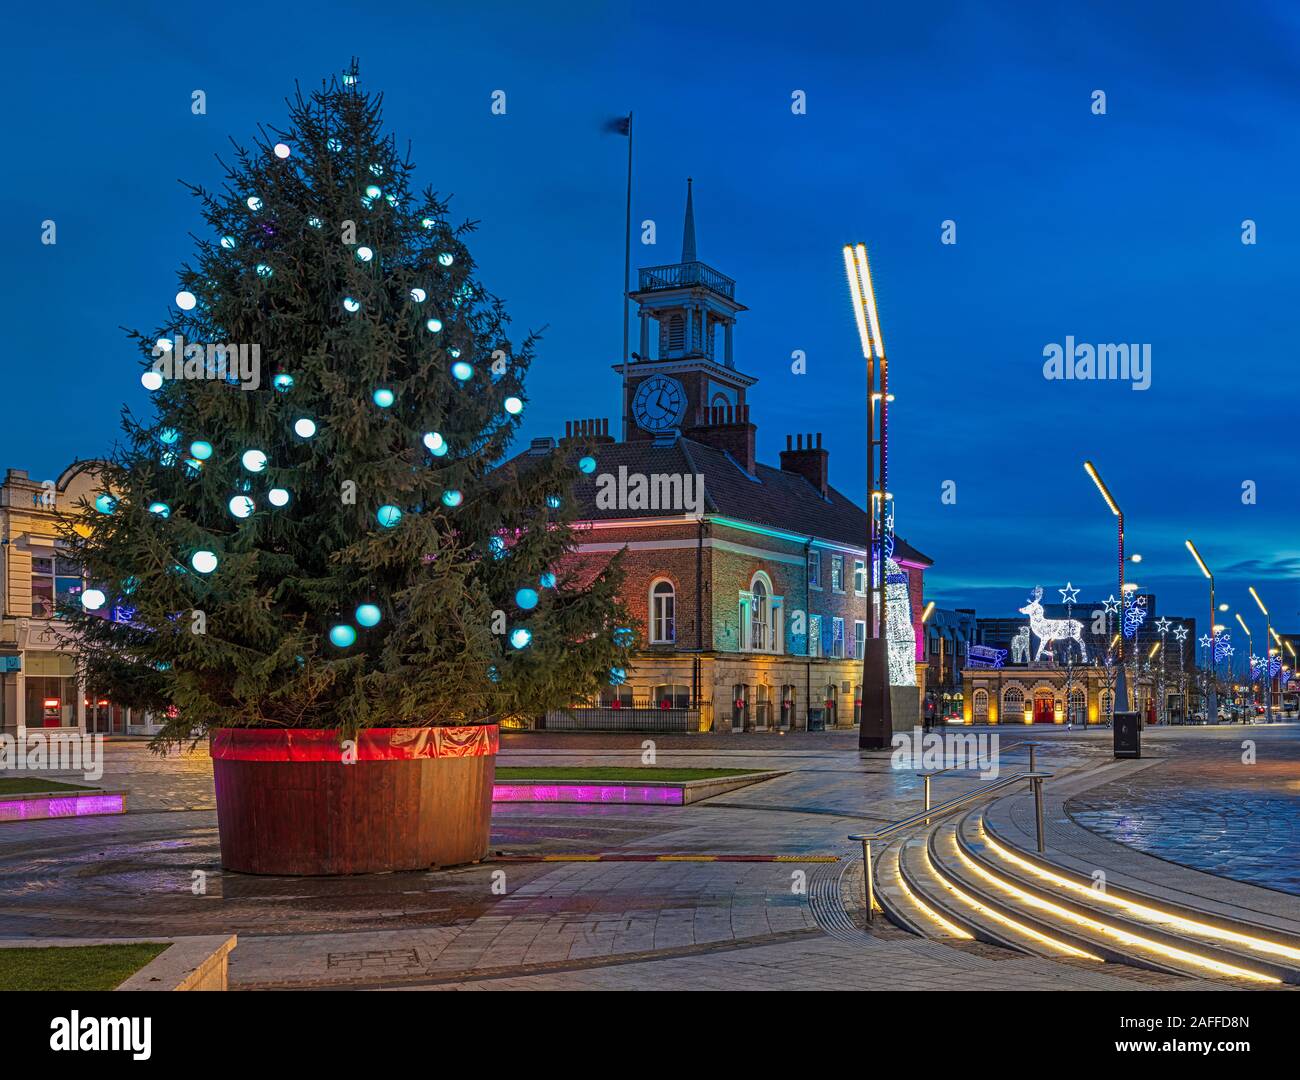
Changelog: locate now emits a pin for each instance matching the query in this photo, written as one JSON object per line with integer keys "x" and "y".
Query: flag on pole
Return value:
{"x": 619, "y": 125}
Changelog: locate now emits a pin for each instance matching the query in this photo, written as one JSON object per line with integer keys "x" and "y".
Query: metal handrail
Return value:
{"x": 928, "y": 776}
{"x": 942, "y": 810}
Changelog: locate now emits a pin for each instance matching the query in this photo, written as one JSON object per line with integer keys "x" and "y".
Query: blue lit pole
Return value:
{"x": 1212, "y": 709}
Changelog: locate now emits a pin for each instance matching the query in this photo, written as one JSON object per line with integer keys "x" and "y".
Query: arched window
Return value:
{"x": 676, "y": 333}
{"x": 760, "y": 622}
{"x": 758, "y": 616}
{"x": 739, "y": 707}
{"x": 663, "y": 613}
{"x": 1106, "y": 706}
{"x": 762, "y": 706}
{"x": 1078, "y": 707}
{"x": 789, "y": 701}
{"x": 980, "y": 704}
{"x": 832, "y": 704}
{"x": 1013, "y": 705}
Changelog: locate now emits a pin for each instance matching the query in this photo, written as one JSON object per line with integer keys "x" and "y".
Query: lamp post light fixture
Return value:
{"x": 1212, "y": 708}
{"x": 1121, "y": 687}
{"x": 1268, "y": 652}
{"x": 877, "y": 724}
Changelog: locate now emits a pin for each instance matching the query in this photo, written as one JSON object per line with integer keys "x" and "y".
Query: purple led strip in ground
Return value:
{"x": 37, "y": 808}
{"x": 587, "y": 793}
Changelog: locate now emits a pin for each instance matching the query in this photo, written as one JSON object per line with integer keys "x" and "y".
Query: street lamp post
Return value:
{"x": 1250, "y": 666}
{"x": 876, "y": 729}
{"x": 1212, "y": 709}
{"x": 1121, "y": 686}
{"x": 1268, "y": 653}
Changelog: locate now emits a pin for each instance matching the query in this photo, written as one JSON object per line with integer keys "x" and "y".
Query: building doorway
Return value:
{"x": 739, "y": 707}
{"x": 1044, "y": 707}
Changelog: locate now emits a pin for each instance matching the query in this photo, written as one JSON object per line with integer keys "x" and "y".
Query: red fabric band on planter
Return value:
{"x": 372, "y": 744}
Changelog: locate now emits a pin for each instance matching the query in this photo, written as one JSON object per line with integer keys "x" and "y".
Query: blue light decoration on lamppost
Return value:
{"x": 1212, "y": 710}
{"x": 877, "y": 725}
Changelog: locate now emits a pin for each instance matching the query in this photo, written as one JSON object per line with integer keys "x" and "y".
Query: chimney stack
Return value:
{"x": 592, "y": 430}
{"x": 727, "y": 428}
{"x": 811, "y": 461}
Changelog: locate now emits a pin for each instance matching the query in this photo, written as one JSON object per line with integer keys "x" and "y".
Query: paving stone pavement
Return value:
{"x": 1215, "y": 806}
{"x": 568, "y": 925}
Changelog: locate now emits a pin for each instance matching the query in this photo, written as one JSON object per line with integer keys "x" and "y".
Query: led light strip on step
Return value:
{"x": 950, "y": 928}
{"x": 998, "y": 917}
{"x": 1122, "y": 936}
{"x": 1164, "y": 918}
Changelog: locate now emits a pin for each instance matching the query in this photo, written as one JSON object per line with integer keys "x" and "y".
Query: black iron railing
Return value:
{"x": 639, "y": 714}
{"x": 678, "y": 275}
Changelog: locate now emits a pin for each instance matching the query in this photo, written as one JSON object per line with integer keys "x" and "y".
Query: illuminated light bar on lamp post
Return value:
{"x": 878, "y": 662}
{"x": 864, "y": 300}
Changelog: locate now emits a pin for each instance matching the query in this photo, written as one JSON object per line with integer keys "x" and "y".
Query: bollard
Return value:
{"x": 1037, "y": 781}
{"x": 927, "y": 795}
{"x": 867, "y": 876}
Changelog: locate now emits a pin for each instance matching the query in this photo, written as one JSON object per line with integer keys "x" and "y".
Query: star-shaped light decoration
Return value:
{"x": 1205, "y": 641}
{"x": 1111, "y": 604}
{"x": 1181, "y": 634}
{"x": 1069, "y": 594}
{"x": 1163, "y": 624}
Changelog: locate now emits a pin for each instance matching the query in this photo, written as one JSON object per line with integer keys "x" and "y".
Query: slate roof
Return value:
{"x": 779, "y": 500}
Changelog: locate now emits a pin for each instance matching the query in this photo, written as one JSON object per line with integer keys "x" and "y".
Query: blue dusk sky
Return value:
{"x": 1122, "y": 227}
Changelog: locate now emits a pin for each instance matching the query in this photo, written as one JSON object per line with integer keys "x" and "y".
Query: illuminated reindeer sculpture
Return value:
{"x": 1020, "y": 646}
{"x": 1049, "y": 630}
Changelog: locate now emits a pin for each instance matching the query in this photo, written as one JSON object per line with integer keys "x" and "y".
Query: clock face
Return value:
{"x": 659, "y": 403}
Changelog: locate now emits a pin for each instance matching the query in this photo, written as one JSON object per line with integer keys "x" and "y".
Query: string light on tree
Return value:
{"x": 247, "y": 281}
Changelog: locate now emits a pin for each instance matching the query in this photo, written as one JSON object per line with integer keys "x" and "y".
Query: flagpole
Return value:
{"x": 627, "y": 268}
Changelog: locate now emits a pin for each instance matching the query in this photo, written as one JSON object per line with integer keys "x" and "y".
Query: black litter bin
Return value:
{"x": 1128, "y": 735}
{"x": 816, "y": 720}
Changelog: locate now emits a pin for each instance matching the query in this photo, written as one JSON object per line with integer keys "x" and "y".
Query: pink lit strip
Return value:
{"x": 37, "y": 807}
{"x": 627, "y": 794}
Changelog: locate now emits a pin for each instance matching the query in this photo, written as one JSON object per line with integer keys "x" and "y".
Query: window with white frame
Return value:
{"x": 761, "y": 617}
{"x": 814, "y": 569}
{"x": 860, "y": 577}
{"x": 814, "y": 635}
{"x": 837, "y": 636}
{"x": 671, "y": 696}
{"x": 663, "y": 613}
{"x": 56, "y": 581}
{"x": 859, "y": 638}
{"x": 837, "y": 573}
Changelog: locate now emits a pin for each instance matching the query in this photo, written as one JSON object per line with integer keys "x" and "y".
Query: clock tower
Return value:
{"x": 683, "y": 376}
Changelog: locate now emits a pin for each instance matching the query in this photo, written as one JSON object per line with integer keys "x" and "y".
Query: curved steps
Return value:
{"x": 957, "y": 880}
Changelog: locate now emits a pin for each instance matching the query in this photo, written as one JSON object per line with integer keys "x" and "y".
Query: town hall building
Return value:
{"x": 747, "y": 580}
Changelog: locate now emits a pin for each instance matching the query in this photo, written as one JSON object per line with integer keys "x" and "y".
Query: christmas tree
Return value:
{"x": 311, "y": 531}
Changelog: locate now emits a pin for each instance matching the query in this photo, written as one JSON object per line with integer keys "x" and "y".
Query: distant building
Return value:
{"x": 1006, "y": 680}
{"x": 948, "y": 634}
{"x": 40, "y": 685}
{"x": 750, "y": 592}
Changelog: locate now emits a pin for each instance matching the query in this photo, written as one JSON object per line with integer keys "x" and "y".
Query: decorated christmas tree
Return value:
{"x": 311, "y": 531}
